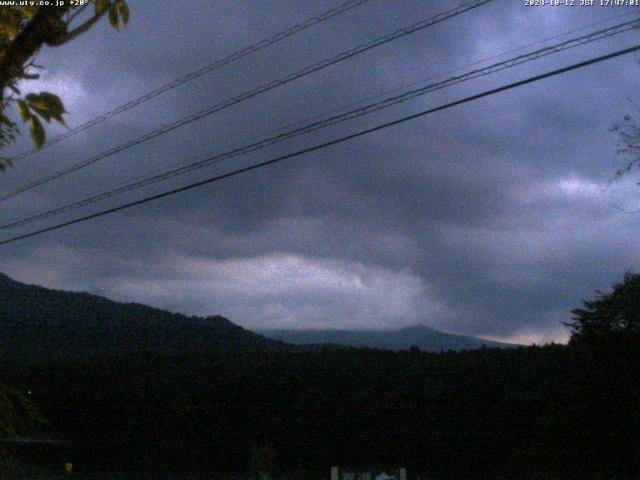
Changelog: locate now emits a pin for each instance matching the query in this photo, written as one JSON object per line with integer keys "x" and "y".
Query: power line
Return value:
{"x": 329, "y": 143}
{"x": 289, "y": 32}
{"x": 352, "y": 114}
{"x": 262, "y": 89}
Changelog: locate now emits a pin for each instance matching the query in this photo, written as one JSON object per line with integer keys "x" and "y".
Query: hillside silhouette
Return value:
{"x": 38, "y": 324}
{"x": 555, "y": 411}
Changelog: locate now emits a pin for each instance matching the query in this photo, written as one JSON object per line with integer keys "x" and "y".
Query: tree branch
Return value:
{"x": 44, "y": 28}
{"x": 61, "y": 39}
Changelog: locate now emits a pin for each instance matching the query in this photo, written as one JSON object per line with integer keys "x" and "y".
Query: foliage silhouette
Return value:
{"x": 24, "y": 30}
{"x": 612, "y": 317}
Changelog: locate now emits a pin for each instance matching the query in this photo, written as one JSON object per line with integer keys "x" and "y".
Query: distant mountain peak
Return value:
{"x": 419, "y": 335}
{"x": 418, "y": 327}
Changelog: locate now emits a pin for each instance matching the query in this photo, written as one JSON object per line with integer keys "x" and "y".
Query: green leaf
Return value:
{"x": 47, "y": 105}
{"x": 123, "y": 9}
{"x": 11, "y": 27}
{"x": 37, "y": 131}
{"x": 32, "y": 97}
{"x": 58, "y": 118}
{"x": 37, "y": 101}
{"x": 114, "y": 20}
{"x": 40, "y": 105}
{"x": 42, "y": 112}
{"x": 28, "y": 12}
{"x": 46, "y": 101}
{"x": 23, "y": 109}
{"x": 101, "y": 6}
{"x": 54, "y": 102}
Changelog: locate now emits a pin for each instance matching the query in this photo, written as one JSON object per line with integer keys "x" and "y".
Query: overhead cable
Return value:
{"x": 352, "y": 114}
{"x": 289, "y": 32}
{"x": 324, "y": 145}
{"x": 253, "y": 93}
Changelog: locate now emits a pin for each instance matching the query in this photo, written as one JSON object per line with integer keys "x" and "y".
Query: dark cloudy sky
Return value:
{"x": 495, "y": 218}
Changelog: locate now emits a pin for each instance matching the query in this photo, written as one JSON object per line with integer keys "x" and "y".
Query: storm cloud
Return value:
{"x": 494, "y": 218}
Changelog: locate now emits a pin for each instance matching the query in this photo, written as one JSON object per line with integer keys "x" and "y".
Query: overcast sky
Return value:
{"x": 494, "y": 218}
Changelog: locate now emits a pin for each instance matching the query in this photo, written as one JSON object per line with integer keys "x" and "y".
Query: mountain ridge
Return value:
{"x": 419, "y": 335}
{"x": 37, "y": 323}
